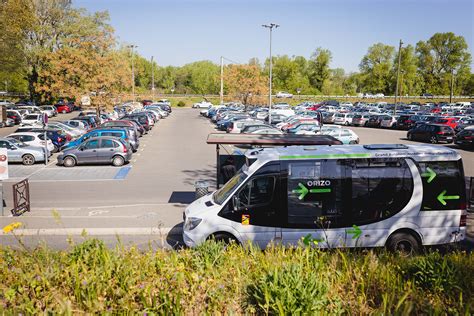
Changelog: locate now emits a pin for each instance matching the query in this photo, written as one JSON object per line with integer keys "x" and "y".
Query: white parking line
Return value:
{"x": 97, "y": 231}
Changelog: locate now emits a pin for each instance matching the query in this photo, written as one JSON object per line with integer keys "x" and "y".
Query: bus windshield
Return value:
{"x": 223, "y": 193}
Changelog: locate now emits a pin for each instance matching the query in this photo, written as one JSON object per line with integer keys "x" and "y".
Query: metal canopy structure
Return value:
{"x": 256, "y": 140}
{"x": 271, "y": 140}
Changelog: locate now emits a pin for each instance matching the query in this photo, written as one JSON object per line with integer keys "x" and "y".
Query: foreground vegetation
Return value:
{"x": 237, "y": 280}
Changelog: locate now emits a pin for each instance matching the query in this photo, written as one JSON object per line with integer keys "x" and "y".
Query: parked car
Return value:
{"x": 142, "y": 119}
{"x": 63, "y": 108}
{"x": 465, "y": 138}
{"x": 49, "y": 110}
{"x": 343, "y": 118}
{"x": 99, "y": 150}
{"x": 283, "y": 94}
{"x": 18, "y": 151}
{"x": 267, "y": 131}
{"x": 433, "y": 133}
{"x": 345, "y": 135}
{"x": 34, "y": 139}
{"x": 389, "y": 121}
{"x": 57, "y": 137}
{"x": 448, "y": 121}
{"x": 360, "y": 119}
{"x": 32, "y": 119}
{"x": 405, "y": 122}
{"x": 202, "y": 105}
{"x": 99, "y": 132}
{"x": 375, "y": 120}
{"x": 80, "y": 124}
{"x": 15, "y": 116}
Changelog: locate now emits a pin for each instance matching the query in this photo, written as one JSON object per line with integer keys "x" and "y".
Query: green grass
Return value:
{"x": 238, "y": 280}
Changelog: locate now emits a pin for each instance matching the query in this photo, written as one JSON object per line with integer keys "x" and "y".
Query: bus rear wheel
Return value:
{"x": 404, "y": 243}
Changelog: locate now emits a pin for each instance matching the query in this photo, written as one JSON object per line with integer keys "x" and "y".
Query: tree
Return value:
{"x": 318, "y": 67}
{"x": 245, "y": 82}
{"x": 85, "y": 63}
{"x": 438, "y": 57}
{"x": 410, "y": 82}
{"x": 376, "y": 67}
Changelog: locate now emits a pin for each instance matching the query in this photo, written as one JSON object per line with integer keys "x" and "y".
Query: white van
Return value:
{"x": 399, "y": 196}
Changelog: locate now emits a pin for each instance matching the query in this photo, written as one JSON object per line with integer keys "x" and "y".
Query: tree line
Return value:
{"x": 49, "y": 49}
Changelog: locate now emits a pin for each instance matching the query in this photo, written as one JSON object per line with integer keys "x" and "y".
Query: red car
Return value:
{"x": 63, "y": 108}
{"x": 448, "y": 121}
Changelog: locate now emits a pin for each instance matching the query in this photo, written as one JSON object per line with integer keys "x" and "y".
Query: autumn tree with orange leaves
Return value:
{"x": 246, "y": 83}
{"x": 86, "y": 63}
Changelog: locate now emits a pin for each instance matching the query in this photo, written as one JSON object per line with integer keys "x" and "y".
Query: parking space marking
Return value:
{"x": 122, "y": 173}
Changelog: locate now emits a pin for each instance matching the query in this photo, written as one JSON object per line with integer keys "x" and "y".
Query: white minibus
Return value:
{"x": 399, "y": 196}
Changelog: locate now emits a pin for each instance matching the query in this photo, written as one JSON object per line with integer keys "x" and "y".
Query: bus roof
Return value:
{"x": 417, "y": 152}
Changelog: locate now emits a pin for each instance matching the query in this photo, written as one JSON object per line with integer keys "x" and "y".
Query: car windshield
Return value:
{"x": 223, "y": 193}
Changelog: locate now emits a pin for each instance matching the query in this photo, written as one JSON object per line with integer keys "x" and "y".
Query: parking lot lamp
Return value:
{"x": 133, "y": 71}
{"x": 270, "y": 27}
{"x": 398, "y": 75}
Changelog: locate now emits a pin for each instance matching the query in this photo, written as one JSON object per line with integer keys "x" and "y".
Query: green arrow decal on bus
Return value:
{"x": 302, "y": 191}
{"x": 355, "y": 232}
{"x": 319, "y": 190}
{"x": 442, "y": 197}
{"x": 430, "y": 174}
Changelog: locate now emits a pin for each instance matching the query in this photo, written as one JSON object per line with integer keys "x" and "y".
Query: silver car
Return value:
{"x": 98, "y": 150}
{"x": 18, "y": 151}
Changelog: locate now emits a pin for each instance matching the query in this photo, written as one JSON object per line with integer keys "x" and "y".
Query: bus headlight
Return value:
{"x": 191, "y": 223}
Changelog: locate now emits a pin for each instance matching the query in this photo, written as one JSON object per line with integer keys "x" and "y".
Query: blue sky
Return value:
{"x": 182, "y": 31}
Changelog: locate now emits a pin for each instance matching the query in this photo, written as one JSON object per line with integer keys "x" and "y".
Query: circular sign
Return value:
{"x": 3, "y": 158}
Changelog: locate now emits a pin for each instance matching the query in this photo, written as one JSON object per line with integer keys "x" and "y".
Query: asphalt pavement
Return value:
{"x": 145, "y": 204}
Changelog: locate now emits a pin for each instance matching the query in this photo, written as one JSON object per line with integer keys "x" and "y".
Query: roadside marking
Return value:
{"x": 159, "y": 231}
{"x": 101, "y": 207}
{"x": 122, "y": 173}
{"x": 98, "y": 212}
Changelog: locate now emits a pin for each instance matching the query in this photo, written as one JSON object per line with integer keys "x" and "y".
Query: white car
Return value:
{"x": 202, "y": 105}
{"x": 76, "y": 124}
{"x": 283, "y": 94}
{"x": 345, "y": 135}
{"x": 389, "y": 121}
{"x": 343, "y": 118}
{"x": 32, "y": 119}
{"x": 35, "y": 139}
{"x": 49, "y": 110}
{"x": 345, "y": 104}
{"x": 267, "y": 131}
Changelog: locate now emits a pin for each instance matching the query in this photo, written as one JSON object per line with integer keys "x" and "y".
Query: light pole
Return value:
{"x": 222, "y": 81}
{"x": 451, "y": 92}
{"x": 398, "y": 75}
{"x": 270, "y": 26}
{"x": 152, "y": 79}
{"x": 133, "y": 71}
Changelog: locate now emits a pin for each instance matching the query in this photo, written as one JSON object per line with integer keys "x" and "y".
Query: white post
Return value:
{"x": 222, "y": 80}
{"x": 153, "y": 79}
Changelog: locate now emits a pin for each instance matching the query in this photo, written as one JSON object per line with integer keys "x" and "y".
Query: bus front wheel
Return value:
{"x": 224, "y": 238}
{"x": 404, "y": 243}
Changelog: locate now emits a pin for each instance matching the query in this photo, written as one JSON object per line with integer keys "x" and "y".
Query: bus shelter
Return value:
{"x": 235, "y": 146}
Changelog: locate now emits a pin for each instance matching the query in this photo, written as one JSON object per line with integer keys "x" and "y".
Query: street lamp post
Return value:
{"x": 153, "y": 79}
{"x": 133, "y": 71}
{"x": 270, "y": 26}
{"x": 398, "y": 75}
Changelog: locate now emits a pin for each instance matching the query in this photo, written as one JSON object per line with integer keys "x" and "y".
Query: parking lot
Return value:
{"x": 145, "y": 197}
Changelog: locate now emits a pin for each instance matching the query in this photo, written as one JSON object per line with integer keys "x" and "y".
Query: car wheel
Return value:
{"x": 410, "y": 137}
{"x": 223, "y": 238}
{"x": 346, "y": 123}
{"x": 69, "y": 162}
{"x": 64, "y": 112}
{"x": 365, "y": 124}
{"x": 118, "y": 161}
{"x": 28, "y": 160}
{"x": 352, "y": 142}
{"x": 404, "y": 243}
{"x": 433, "y": 140}
{"x": 56, "y": 149}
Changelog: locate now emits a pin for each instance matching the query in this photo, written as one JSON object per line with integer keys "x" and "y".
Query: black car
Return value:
{"x": 406, "y": 121}
{"x": 142, "y": 119}
{"x": 433, "y": 133}
{"x": 465, "y": 138}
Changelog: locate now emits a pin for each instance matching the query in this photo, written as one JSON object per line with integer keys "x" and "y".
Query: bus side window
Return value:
{"x": 380, "y": 188}
{"x": 443, "y": 185}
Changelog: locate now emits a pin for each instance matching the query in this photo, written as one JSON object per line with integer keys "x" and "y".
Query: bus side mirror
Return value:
{"x": 236, "y": 202}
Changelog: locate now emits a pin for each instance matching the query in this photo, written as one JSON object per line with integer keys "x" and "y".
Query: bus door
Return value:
{"x": 255, "y": 209}
{"x": 315, "y": 204}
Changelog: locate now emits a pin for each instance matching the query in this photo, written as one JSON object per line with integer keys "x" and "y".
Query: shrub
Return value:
{"x": 181, "y": 104}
